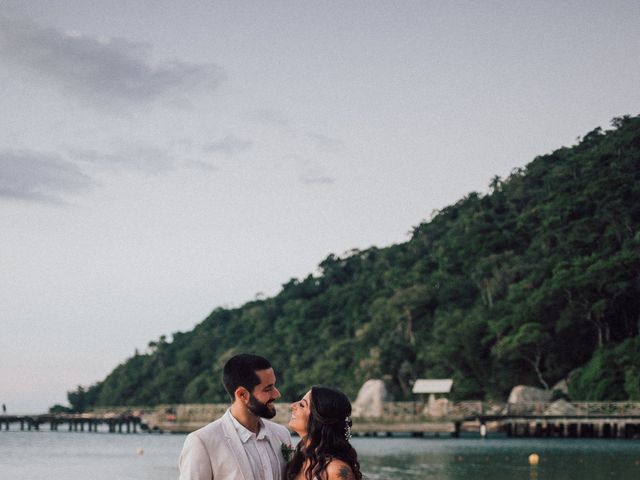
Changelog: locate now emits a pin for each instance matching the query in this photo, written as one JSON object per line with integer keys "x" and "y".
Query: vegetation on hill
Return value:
{"x": 534, "y": 282}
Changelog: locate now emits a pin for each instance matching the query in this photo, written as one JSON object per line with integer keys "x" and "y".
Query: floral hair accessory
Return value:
{"x": 286, "y": 449}
{"x": 347, "y": 428}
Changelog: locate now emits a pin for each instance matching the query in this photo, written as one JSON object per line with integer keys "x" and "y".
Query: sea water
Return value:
{"x": 103, "y": 456}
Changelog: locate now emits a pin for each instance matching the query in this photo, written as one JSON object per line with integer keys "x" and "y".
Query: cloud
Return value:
{"x": 141, "y": 158}
{"x": 326, "y": 143}
{"x": 47, "y": 177}
{"x": 312, "y": 173}
{"x": 200, "y": 165}
{"x": 102, "y": 71}
{"x": 33, "y": 176}
{"x": 311, "y": 178}
{"x": 230, "y": 146}
{"x": 268, "y": 116}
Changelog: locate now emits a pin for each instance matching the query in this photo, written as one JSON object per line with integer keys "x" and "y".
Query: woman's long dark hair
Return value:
{"x": 326, "y": 440}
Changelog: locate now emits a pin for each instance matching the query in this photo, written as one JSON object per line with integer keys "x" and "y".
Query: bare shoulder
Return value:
{"x": 339, "y": 470}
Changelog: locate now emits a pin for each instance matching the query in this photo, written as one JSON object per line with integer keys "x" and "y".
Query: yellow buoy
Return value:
{"x": 534, "y": 458}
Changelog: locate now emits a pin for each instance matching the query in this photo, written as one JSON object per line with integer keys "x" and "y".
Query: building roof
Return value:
{"x": 424, "y": 385}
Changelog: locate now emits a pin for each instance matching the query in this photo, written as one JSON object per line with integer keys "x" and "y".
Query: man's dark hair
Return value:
{"x": 240, "y": 371}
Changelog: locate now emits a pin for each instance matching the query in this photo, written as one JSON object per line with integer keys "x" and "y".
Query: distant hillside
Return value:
{"x": 537, "y": 281}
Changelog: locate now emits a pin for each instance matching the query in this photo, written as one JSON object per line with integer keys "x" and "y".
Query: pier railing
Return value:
{"x": 393, "y": 416}
{"x": 464, "y": 409}
{"x": 580, "y": 409}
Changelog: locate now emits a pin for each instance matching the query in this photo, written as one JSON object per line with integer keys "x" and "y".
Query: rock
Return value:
{"x": 560, "y": 390}
{"x": 523, "y": 394}
{"x": 560, "y": 407}
{"x": 370, "y": 399}
{"x": 561, "y": 386}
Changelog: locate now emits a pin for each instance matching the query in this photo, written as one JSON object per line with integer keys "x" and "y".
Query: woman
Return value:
{"x": 323, "y": 420}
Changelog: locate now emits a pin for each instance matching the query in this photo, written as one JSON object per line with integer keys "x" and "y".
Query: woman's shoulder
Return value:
{"x": 339, "y": 470}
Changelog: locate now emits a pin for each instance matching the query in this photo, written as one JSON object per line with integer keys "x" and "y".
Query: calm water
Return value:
{"x": 103, "y": 456}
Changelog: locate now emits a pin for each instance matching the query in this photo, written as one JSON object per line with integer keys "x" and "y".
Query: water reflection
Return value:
{"x": 498, "y": 459}
{"x": 59, "y": 455}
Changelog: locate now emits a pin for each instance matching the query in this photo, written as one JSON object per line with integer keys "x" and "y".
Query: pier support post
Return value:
{"x": 537, "y": 432}
{"x": 517, "y": 430}
{"x": 508, "y": 428}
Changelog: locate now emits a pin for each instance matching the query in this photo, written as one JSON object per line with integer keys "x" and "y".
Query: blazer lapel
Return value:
{"x": 235, "y": 445}
{"x": 276, "y": 444}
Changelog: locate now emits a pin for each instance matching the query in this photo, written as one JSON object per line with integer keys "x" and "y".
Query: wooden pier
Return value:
{"x": 571, "y": 427}
{"x": 582, "y": 420}
{"x": 123, "y": 423}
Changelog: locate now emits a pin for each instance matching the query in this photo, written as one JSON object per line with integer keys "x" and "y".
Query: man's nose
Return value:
{"x": 276, "y": 393}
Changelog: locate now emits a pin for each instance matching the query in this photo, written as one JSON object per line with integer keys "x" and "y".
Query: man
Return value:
{"x": 241, "y": 445}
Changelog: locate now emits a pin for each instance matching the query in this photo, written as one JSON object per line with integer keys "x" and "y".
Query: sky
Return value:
{"x": 160, "y": 159}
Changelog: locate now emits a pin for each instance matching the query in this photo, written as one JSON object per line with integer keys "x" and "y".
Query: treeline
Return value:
{"x": 534, "y": 282}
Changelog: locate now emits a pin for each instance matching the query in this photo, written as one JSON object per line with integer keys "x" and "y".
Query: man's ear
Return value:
{"x": 242, "y": 394}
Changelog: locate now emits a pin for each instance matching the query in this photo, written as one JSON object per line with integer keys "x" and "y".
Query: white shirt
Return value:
{"x": 263, "y": 460}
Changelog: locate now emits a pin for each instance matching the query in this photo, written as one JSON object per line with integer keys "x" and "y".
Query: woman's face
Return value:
{"x": 300, "y": 412}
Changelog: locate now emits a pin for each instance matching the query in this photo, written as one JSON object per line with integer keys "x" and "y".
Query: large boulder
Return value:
{"x": 523, "y": 394}
{"x": 370, "y": 399}
{"x": 527, "y": 400}
{"x": 560, "y": 407}
{"x": 560, "y": 390}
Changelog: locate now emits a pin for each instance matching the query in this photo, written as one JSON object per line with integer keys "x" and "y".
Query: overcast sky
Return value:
{"x": 159, "y": 159}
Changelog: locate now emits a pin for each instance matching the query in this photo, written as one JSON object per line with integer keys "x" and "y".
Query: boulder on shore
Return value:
{"x": 524, "y": 394}
{"x": 370, "y": 399}
{"x": 561, "y": 389}
{"x": 560, "y": 407}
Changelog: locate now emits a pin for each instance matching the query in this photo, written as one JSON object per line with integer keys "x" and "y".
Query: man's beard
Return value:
{"x": 264, "y": 410}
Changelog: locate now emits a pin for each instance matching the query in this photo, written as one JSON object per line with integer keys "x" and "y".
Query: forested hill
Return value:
{"x": 534, "y": 282}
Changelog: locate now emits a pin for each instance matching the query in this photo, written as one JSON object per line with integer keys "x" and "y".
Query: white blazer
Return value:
{"x": 216, "y": 452}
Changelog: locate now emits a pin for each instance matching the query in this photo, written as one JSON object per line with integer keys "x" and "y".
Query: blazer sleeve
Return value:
{"x": 194, "y": 462}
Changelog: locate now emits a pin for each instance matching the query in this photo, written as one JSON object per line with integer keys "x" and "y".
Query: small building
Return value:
{"x": 433, "y": 387}
{"x": 430, "y": 386}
